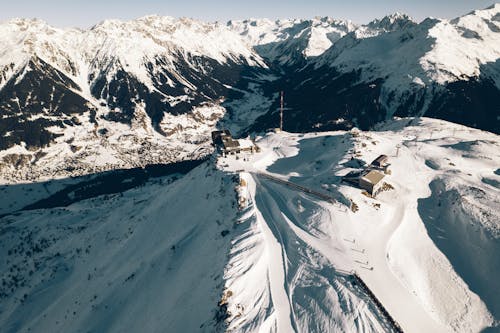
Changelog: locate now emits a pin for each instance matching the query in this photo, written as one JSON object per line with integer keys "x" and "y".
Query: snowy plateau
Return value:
{"x": 119, "y": 215}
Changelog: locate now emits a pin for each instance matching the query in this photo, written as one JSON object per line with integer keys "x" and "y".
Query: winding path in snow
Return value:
{"x": 283, "y": 235}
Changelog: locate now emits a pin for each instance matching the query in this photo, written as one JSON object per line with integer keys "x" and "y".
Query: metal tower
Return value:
{"x": 281, "y": 112}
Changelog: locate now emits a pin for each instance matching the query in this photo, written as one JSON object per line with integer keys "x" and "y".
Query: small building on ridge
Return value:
{"x": 223, "y": 141}
{"x": 381, "y": 163}
{"x": 371, "y": 182}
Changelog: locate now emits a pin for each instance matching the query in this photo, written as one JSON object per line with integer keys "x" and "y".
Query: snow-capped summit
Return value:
{"x": 464, "y": 45}
{"x": 437, "y": 67}
{"x": 291, "y": 41}
{"x": 133, "y": 43}
{"x": 169, "y": 34}
{"x": 393, "y": 22}
{"x": 24, "y": 39}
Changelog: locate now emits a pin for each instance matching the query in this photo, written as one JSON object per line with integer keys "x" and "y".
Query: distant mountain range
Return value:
{"x": 125, "y": 94}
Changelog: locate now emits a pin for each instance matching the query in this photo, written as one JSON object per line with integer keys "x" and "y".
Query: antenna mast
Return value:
{"x": 281, "y": 112}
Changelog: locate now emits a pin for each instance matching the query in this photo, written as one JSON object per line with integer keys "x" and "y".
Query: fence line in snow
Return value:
{"x": 378, "y": 304}
{"x": 301, "y": 188}
{"x": 353, "y": 274}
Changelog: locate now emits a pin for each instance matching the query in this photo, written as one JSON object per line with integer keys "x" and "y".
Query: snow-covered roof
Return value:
{"x": 245, "y": 143}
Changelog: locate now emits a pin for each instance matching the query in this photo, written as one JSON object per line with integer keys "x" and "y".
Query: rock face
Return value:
{"x": 125, "y": 94}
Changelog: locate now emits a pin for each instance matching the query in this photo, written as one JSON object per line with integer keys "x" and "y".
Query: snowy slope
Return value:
{"x": 425, "y": 266}
{"x": 413, "y": 57}
{"x": 146, "y": 259}
{"x": 123, "y": 262}
{"x": 85, "y": 149}
{"x": 150, "y": 259}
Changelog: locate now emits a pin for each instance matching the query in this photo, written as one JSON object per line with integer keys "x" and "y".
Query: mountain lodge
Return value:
{"x": 225, "y": 143}
{"x": 371, "y": 182}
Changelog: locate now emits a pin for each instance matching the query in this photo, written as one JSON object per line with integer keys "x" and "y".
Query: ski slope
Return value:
{"x": 415, "y": 281}
{"x": 225, "y": 249}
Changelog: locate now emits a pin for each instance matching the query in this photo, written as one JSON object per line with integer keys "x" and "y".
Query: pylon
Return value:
{"x": 281, "y": 112}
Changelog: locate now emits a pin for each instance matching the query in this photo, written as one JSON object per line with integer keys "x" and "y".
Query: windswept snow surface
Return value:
{"x": 178, "y": 255}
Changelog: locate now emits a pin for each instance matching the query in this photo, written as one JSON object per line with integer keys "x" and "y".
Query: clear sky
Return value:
{"x": 79, "y": 13}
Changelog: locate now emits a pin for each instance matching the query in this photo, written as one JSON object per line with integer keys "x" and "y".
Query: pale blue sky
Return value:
{"x": 63, "y": 13}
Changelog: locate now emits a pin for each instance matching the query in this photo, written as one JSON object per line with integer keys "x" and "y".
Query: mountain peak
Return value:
{"x": 106, "y": 24}
{"x": 392, "y": 22}
{"x": 495, "y": 6}
{"x": 33, "y": 24}
{"x": 153, "y": 21}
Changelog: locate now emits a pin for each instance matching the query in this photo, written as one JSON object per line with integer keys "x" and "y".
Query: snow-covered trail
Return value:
{"x": 270, "y": 221}
{"x": 307, "y": 291}
{"x": 325, "y": 238}
{"x": 402, "y": 304}
{"x": 384, "y": 239}
{"x": 373, "y": 236}
{"x": 287, "y": 229}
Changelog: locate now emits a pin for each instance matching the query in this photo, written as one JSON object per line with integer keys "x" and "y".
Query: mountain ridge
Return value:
{"x": 74, "y": 89}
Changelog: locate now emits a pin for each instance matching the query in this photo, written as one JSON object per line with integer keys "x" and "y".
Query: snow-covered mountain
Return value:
{"x": 120, "y": 94}
{"x": 389, "y": 23}
{"x": 272, "y": 241}
{"x": 150, "y": 90}
{"x": 295, "y": 41}
{"x": 417, "y": 55}
{"x": 223, "y": 248}
{"x": 447, "y": 69}
{"x": 291, "y": 42}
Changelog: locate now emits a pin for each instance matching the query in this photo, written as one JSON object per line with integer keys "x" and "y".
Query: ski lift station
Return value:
{"x": 226, "y": 144}
{"x": 370, "y": 178}
{"x": 381, "y": 163}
